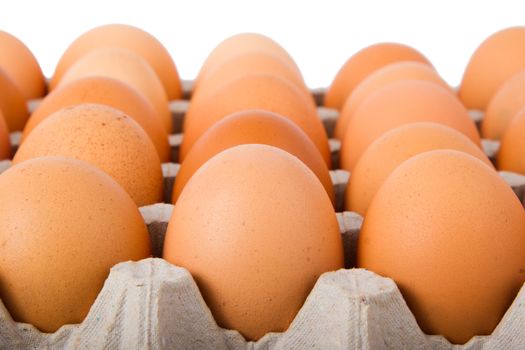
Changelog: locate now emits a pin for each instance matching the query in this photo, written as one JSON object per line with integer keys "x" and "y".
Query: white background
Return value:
{"x": 319, "y": 35}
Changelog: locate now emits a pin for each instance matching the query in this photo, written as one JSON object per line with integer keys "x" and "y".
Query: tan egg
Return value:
{"x": 406, "y": 70}
{"x": 510, "y": 155}
{"x": 239, "y": 44}
{"x": 105, "y": 137}
{"x": 497, "y": 59}
{"x": 124, "y": 65}
{"x": 65, "y": 223}
{"x": 450, "y": 232}
{"x": 5, "y": 143}
{"x": 255, "y": 228}
{"x": 362, "y": 64}
{"x": 12, "y": 103}
{"x": 254, "y": 91}
{"x": 127, "y": 37}
{"x": 401, "y": 103}
{"x": 110, "y": 92}
{"x": 386, "y": 153}
{"x": 504, "y": 105}
{"x": 22, "y": 66}
{"x": 248, "y": 63}
{"x": 249, "y": 127}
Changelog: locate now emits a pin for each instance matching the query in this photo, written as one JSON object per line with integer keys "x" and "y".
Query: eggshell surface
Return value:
{"x": 12, "y": 103}
{"x": 510, "y": 155}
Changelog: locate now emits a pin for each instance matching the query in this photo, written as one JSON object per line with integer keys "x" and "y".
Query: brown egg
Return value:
{"x": 254, "y": 91}
{"x": 388, "y": 74}
{"x": 248, "y": 63}
{"x": 239, "y": 44}
{"x": 401, "y": 103}
{"x": 253, "y": 126}
{"x": 362, "y": 64}
{"x": 64, "y": 225}
{"x": 124, "y": 65}
{"x": 510, "y": 155}
{"x": 504, "y": 105}
{"x": 22, "y": 66}
{"x": 497, "y": 59}
{"x": 110, "y": 92}
{"x": 255, "y": 228}
{"x": 105, "y": 137}
{"x": 395, "y": 146}
{"x": 5, "y": 143}
{"x": 12, "y": 103}
{"x": 127, "y": 37}
{"x": 450, "y": 232}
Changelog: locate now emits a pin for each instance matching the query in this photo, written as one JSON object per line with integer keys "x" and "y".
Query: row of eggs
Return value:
{"x": 270, "y": 227}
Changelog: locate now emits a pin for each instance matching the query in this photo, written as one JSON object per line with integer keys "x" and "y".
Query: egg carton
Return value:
{"x": 156, "y": 305}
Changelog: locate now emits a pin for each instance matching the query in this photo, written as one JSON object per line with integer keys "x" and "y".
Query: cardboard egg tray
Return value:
{"x": 156, "y": 305}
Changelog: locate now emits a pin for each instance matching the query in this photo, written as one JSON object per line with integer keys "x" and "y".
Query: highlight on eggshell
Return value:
{"x": 128, "y": 37}
{"x": 362, "y": 64}
{"x": 404, "y": 70}
{"x": 254, "y": 91}
{"x": 450, "y": 232}
{"x": 386, "y": 153}
{"x": 262, "y": 218}
{"x": 21, "y": 65}
{"x": 107, "y": 91}
{"x": 12, "y": 103}
{"x": 253, "y": 127}
{"x": 503, "y": 106}
{"x": 65, "y": 223}
{"x": 104, "y": 137}
{"x": 124, "y": 65}
{"x": 401, "y": 103}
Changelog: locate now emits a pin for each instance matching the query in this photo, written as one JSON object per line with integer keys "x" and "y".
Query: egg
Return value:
{"x": 110, "y": 92}
{"x": 12, "y": 103}
{"x": 124, "y": 65}
{"x": 239, "y": 44}
{"x": 255, "y": 228}
{"x": 253, "y": 126}
{"x": 127, "y": 37}
{"x": 510, "y": 155}
{"x": 64, "y": 225}
{"x": 5, "y": 142}
{"x": 386, "y": 153}
{"x": 497, "y": 59}
{"x": 503, "y": 106}
{"x": 362, "y": 64}
{"x": 18, "y": 61}
{"x": 401, "y": 103}
{"x": 450, "y": 232}
{"x": 254, "y": 91}
{"x": 388, "y": 74}
{"x": 247, "y": 63}
{"x": 104, "y": 137}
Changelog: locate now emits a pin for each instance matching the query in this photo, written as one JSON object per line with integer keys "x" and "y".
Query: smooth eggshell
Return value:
{"x": 124, "y": 65}
{"x": 127, "y": 37}
{"x": 18, "y": 61}
{"x": 450, "y": 232}
{"x": 401, "y": 103}
{"x": 110, "y": 92}
{"x": 5, "y": 142}
{"x": 406, "y": 70}
{"x": 255, "y": 228}
{"x": 254, "y": 91}
{"x": 362, "y": 64}
{"x": 497, "y": 59}
{"x": 511, "y": 156}
{"x": 395, "y": 146}
{"x": 105, "y": 137}
{"x": 64, "y": 225}
{"x": 504, "y": 105}
{"x": 12, "y": 103}
{"x": 253, "y": 126}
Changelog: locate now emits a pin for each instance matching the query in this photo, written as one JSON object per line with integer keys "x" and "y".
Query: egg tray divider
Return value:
{"x": 153, "y": 304}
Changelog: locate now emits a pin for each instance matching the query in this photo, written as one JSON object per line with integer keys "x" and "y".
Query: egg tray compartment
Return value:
{"x": 153, "y": 304}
